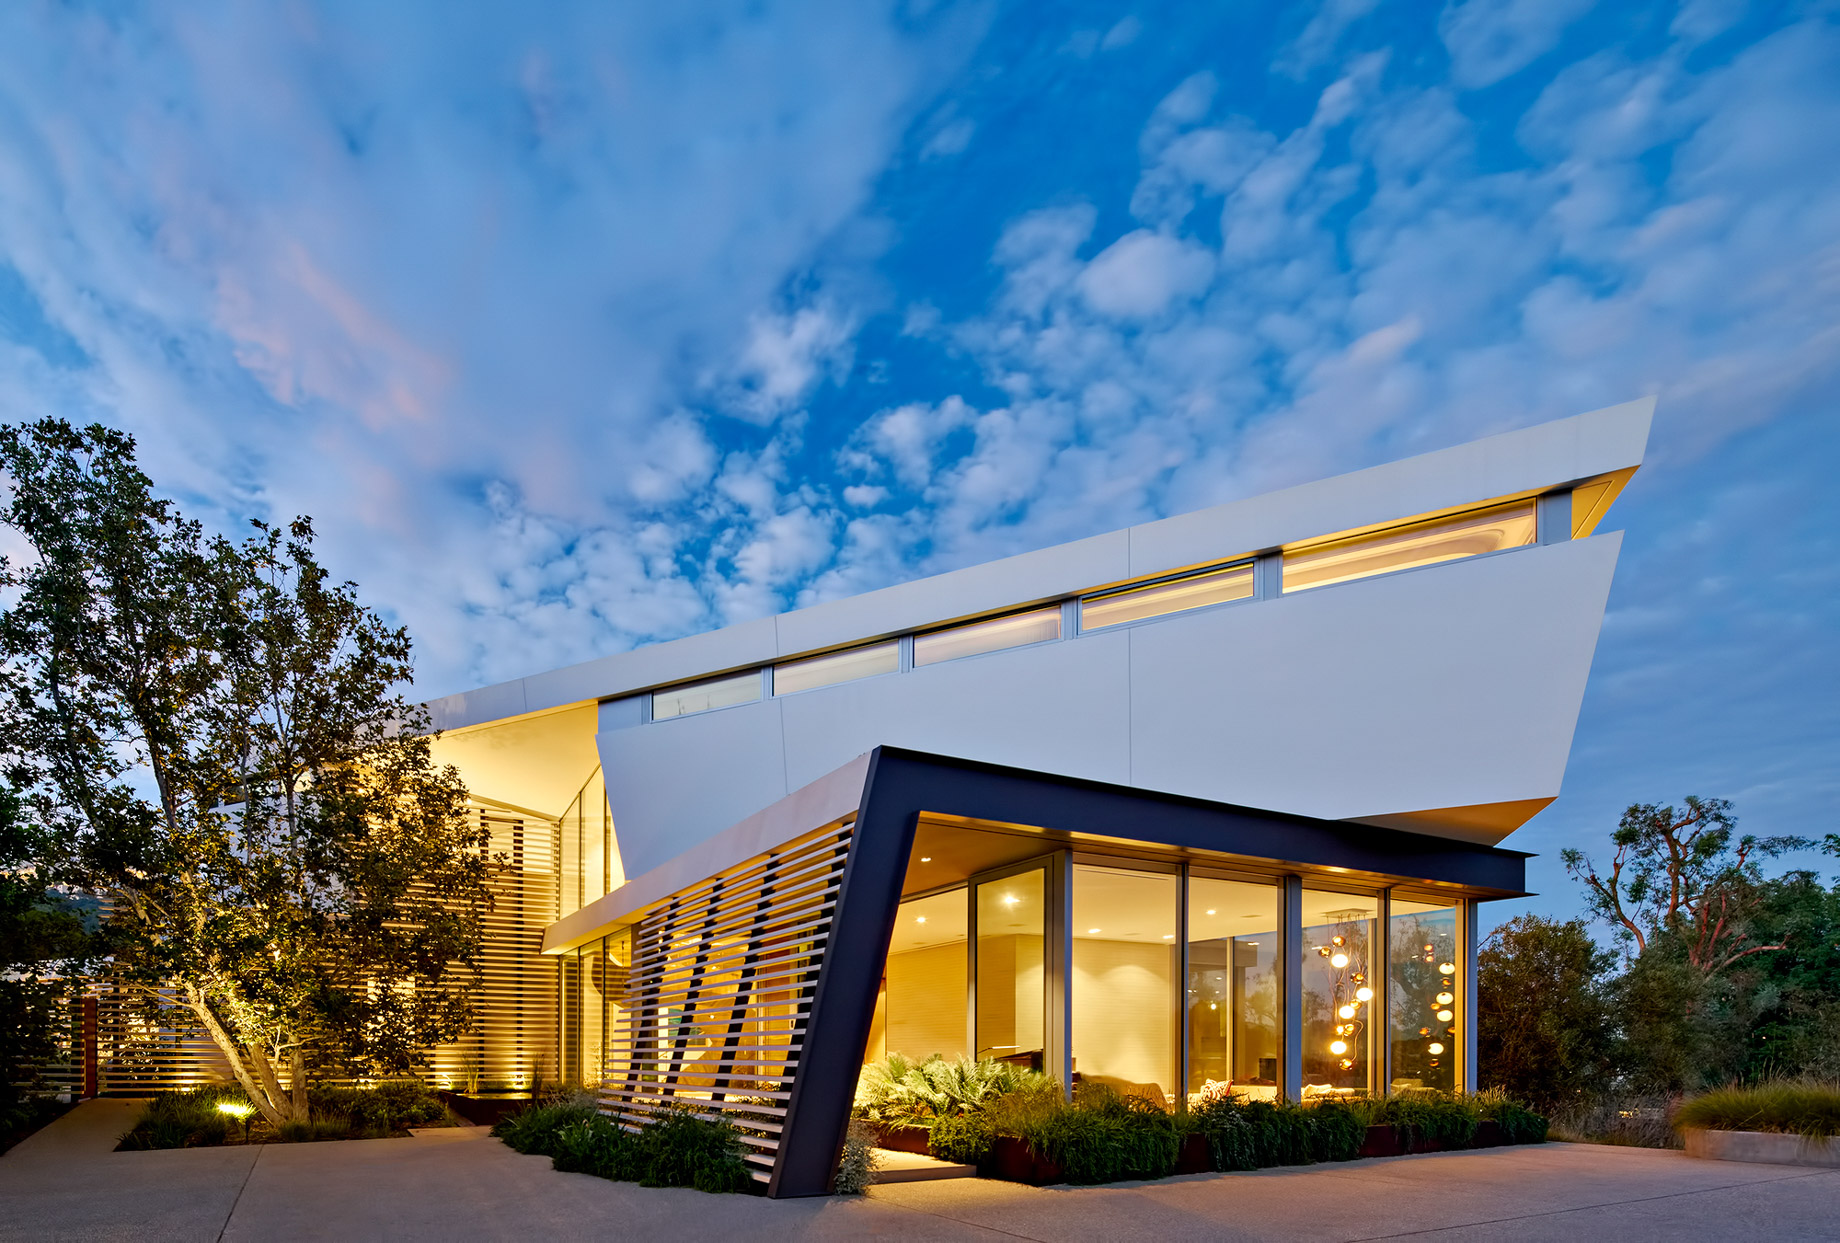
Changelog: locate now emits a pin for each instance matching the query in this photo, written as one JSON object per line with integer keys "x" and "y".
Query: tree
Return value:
{"x": 43, "y": 938}
{"x": 1543, "y": 1029}
{"x": 1676, "y": 873}
{"x": 215, "y": 731}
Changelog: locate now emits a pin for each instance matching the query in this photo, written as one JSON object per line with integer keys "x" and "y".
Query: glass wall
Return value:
{"x": 1401, "y": 548}
{"x": 740, "y": 688}
{"x": 1192, "y": 591}
{"x": 922, "y": 1007}
{"x": 1233, "y": 994}
{"x": 1016, "y": 630}
{"x": 1425, "y": 993}
{"x": 1011, "y": 983}
{"x": 845, "y": 666}
{"x": 1125, "y": 968}
{"x": 1338, "y": 992}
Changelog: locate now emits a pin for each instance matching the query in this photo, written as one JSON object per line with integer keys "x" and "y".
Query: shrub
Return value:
{"x": 675, "y": 1149}
{"x": 1625, "y": 1120}
{"x": 902, "y": 1092}
{"x": 678, "y": 1149}
{"x": 857, "y": 1166}
{"x": 963, "y": 1139}
{"x": 533, "y": 1130}
{"x": 1252, "y": 1135}
{"x": 1099, "y": 1137}
{"x": 184, "y": 1119}
{"x": 1800, "y": 1108}
{"x": 385, "y": 1108}
{"x": 1428, "y": 1117}
{"x": 1519, "y": 1124}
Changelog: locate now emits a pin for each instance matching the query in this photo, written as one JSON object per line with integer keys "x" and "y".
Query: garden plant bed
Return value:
{"x": 485, "y": 1108}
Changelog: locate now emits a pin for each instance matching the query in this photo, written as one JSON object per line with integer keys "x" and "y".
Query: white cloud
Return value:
{"x": 1142, "y": 273}
{"x": 1491, "y": 39}
{"x": 784, "y": 358}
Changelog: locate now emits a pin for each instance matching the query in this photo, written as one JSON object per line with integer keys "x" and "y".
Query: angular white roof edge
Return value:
{"x": 1530, "y": 459}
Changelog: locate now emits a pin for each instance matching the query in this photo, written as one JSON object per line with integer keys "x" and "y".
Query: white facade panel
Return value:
{"x": 1453, "y": 685}
{"x": 672, "y": 784}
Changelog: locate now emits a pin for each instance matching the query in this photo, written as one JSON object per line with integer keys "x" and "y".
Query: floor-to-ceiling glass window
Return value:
{"x": 1233, "y": 994}
{"x": 1339, "y": 1049}
{"x": 1425, "y": 994}
{"x": 1126, "y": 965}
{"x": 1011, "y": 983}
{"x": 921, "y": 1010}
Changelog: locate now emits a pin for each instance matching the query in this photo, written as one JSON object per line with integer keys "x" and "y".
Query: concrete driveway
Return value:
{"x": 64, "y": 1183}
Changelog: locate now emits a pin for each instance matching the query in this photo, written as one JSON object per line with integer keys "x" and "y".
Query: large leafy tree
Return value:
{"x": 1543, "y": 1028}
{"x": 214, "y": 732}
{"x": 1678, "y": 873}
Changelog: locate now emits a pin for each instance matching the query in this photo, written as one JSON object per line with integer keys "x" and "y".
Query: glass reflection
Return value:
{"x": 1233, "y": 995}
{"x": 1011, "y": 985}
{"x": 1425, "y": 995}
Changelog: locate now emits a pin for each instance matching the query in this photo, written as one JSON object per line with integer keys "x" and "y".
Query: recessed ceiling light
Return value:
{"x": 1090, "y": 931}
{"x": 920, "y": 920}
{"x": 1169, "y": 936}
{"x": 1210, "y": 912}
{"x": 926, "y": 858}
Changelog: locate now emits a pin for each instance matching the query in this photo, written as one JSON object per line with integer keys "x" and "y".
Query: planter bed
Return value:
{"x": 1762, "y": 1147}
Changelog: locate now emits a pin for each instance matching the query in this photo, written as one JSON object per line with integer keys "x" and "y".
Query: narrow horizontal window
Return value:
{"x": 1191, "y": 591}
{"x": 1422, "y": 543}
{"x": 1016, "y": 630}
{"x": 738, "y": 688}
{"x": 857, "y": 662}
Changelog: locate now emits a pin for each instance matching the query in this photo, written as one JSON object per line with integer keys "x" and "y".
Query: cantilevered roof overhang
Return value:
{"x": 904, "y": 788}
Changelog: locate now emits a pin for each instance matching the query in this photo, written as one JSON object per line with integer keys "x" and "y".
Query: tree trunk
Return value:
{"x": 262, "y": 1087}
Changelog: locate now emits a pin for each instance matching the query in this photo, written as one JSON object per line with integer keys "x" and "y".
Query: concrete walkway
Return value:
{"x": 65, "y": 1183}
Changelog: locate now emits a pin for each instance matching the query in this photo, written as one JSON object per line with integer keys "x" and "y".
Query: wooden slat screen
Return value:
{"x": 718, "y": 989}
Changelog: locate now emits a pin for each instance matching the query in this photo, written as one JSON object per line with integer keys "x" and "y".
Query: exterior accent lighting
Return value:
{"x": 242, "y": 1111}
{"x": 1434, "y": 1049}
{"x": 1363, "y": 993}
{"x": 1338, "y": 960}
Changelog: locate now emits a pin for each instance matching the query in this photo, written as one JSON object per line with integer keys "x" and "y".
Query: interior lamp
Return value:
{"x": 1338, "y": 1047}
{"x": 1364, "y": 993}
{"x": 1338, "y": 961}
{"x": 1434, "y": 1049}
{"x": 1346, "y": 1012}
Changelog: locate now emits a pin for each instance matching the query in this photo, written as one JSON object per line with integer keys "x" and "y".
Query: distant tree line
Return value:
{"x": 1719, "y": 972}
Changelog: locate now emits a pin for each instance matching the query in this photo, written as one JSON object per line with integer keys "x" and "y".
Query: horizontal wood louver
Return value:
{"x": 516, "y": 1007}
{"x": 718, "y": 990}
{"x": 138, "y": 1053}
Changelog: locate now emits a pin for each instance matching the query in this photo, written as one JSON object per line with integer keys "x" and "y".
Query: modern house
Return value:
{"x": 1204, "y": 805}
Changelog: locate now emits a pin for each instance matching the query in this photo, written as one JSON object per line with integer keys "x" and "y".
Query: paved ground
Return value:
{"x": 64, "y": 1183}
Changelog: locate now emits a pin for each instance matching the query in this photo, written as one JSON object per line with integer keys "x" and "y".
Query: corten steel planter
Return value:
{"x": 903, "y": 1138}
{"x": 1390, "y": 1141}
{"x": 1762, "y": 1147}
{"x": 1195, "y": 1156}
{"x": 484, "y": 1110}
{"x": 1014, "y": 1160}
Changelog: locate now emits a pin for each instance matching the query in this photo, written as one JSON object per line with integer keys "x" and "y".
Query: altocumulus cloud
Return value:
{"x": 589, "y": 326}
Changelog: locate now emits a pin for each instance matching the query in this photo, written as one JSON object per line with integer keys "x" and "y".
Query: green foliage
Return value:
{"x": 1519, "y": 1124}
{"x": 43, "y": 941}
{"x": 675, "y": 1149}
{"x": 185, "y": 1119}
{"x": 902, "y": 1092}
{"x": 1252, "y": 1135}
{"x": 1811, "y": 1109}
{"x": 388, "y": 1107}
{"x": 1099, "y": 1137}
{"x": 1428, "y": 1118}
{"x": 192, "y": 1119}
{"x": 1544, "y": 1027}
{"x": 857, "y": 1163}
{"x": 534, "y": 1129}
{"x": 213, "y": 733}
{"x": 963, "y": 1139}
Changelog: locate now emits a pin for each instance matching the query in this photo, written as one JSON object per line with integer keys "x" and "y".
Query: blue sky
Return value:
{"x": 579, "y": 326}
